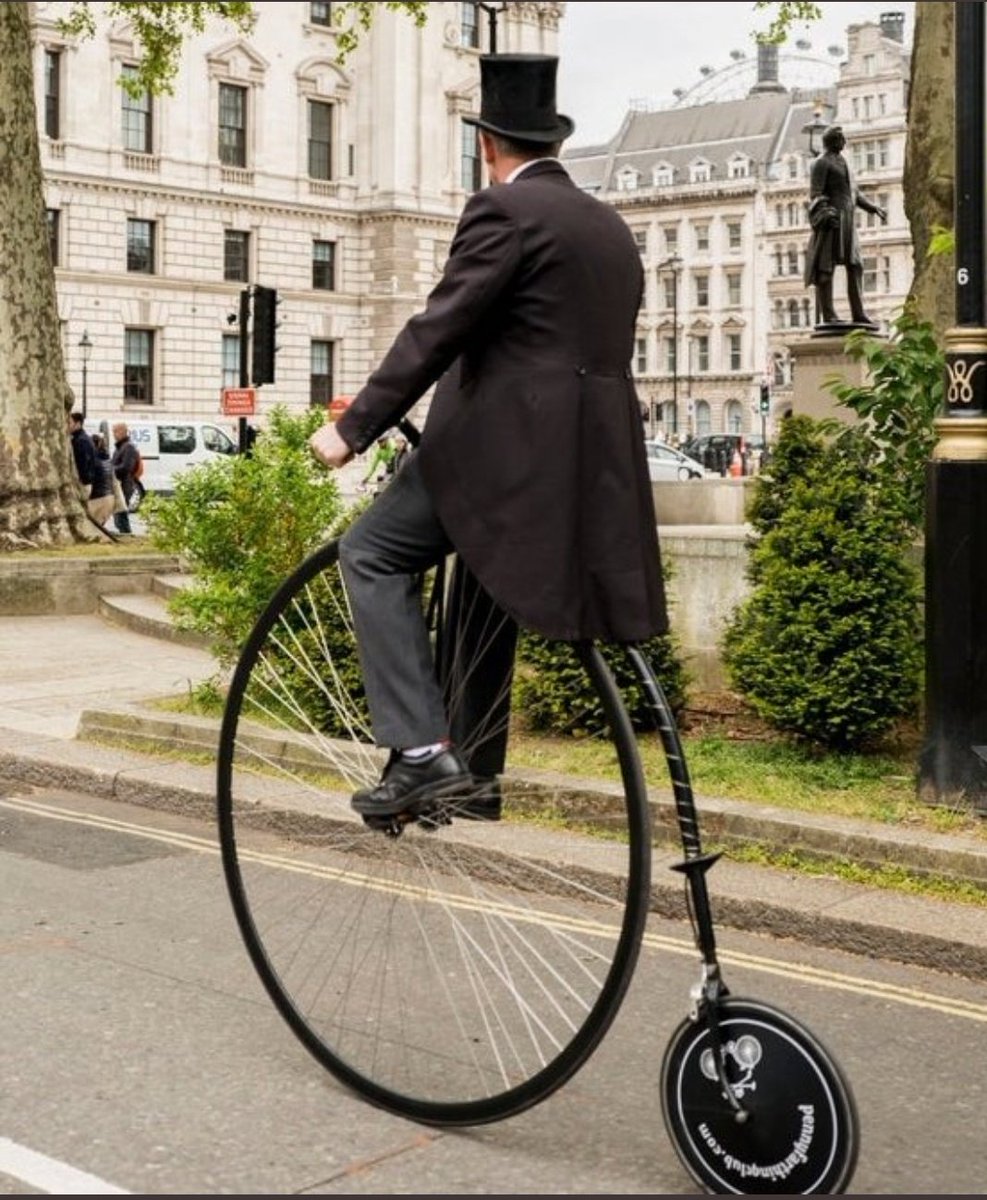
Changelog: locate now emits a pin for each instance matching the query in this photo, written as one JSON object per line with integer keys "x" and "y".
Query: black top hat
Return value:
{"x": 517, "y": 98}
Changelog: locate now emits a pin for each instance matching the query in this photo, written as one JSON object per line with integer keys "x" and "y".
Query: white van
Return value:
{"x": 168, "y": 445}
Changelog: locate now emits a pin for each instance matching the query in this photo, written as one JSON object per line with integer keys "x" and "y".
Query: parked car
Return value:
{"x": 167, "y": 445}
{"x": 665, "y": 462}
{"x": 716, "y": 450}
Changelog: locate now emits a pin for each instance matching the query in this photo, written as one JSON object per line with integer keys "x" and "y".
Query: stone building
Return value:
{"x": 270, "y": 164}
{"x": 716, "y": 195}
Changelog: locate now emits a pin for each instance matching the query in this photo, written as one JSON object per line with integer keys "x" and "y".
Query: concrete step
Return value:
{"x": 168, "y": 585}
{"x": 147, "y": 613}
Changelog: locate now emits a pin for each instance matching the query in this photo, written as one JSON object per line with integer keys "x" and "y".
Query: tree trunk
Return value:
{"x": 930, "y": 161}
{"x": 39, "y": 500}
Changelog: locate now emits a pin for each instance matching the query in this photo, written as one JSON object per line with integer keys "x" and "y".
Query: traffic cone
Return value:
{"x": 736, "y": 465}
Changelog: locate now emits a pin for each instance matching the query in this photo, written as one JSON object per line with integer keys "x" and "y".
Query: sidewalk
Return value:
{"x": 63, "y": 674}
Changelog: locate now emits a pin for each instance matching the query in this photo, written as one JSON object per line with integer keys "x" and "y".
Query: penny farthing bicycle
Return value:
{"x": 457, "y": 970}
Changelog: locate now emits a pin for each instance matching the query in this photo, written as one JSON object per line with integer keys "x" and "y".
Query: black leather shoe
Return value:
{"x": 483, "y": 805}
{"x": 408, "y": 786}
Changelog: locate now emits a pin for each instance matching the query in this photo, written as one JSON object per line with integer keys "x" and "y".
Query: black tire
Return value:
{"x": 801, "y": 1136}
{"x": 456, "y": 973}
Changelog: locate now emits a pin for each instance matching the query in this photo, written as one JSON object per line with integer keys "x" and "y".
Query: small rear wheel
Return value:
{"x": 800, "y": 1135}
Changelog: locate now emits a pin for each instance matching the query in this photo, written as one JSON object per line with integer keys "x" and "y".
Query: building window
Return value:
{"x": 703, "y": 422}
{"x": 53, "y": 215}
{"x": 140, "y": 246}
{"x": 324, "y": 266}
{"x": 778, "y": 370}
{"x": 138, "y": 366}
{"x": 669, "y": 347}
{"x": 793, "y": 166}
{"x": 793, "y": 314}
{"x": 877, "y": 273}
{"x": 627, "y": 180}
{"x": 470, "y": 160}
{"x": 733, "y": 421}
{"x": 320, "y": 13}
{"x": 700, "y": 172}
{"x": 733, "y": 351}
{"x": 231, "y": 360}
{"x": 53, "y": 93}
{"x": 733, "y": 235}
{"x": 671, "y": 240}
{"x": 702, "y": 291}
{"x": 136, "y": 115}
{"x": 702, "y": 237}
{"x": 232, "y": 125}
{"x": 320, "y": 374}
{"x": 469, "y": 25}
{"x": 733, "y": 288}
{"x": 702, "y": 352}
{"x": 236, "y": 255}
{"x": 663, "y": 176}
{"x": 739, "y": 168}
{"x": 670, "y": 284}
{"x": 319, "y": 140}
{"x": 792, "y": 259}
{"x": 872, "y": 219}
{"x": 641, "y": 239}
{"x": 640, "y": 356}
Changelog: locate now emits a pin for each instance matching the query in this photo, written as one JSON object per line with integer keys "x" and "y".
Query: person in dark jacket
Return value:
{"x": 100, "y": 503}
{"x": 532, "y": 463}
{"x": 125, "y": 458}
{"x": 83, "y": 454}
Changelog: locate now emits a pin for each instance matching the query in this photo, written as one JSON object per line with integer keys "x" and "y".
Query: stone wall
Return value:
{"x": 33, "y": 585}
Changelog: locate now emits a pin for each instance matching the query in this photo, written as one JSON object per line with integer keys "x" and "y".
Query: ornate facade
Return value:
{"x": 716, "y": 194}
{"x": 337, "y": 185}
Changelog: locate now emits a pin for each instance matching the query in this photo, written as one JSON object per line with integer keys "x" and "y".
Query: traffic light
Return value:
{"x": 765, "y": 405}
{"x": 264, "y": 331}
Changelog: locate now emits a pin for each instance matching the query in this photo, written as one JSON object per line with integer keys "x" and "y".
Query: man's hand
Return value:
{"x": 329, "y": 447}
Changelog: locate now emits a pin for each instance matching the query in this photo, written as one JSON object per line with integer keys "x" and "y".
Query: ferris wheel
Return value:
{"x": 800, "y": 69}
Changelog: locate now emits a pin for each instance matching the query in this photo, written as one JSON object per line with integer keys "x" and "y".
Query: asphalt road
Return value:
{"x": 141, "y": 1055}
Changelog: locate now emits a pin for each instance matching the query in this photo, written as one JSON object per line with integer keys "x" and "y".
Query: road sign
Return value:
{"x": 239, "y": 402}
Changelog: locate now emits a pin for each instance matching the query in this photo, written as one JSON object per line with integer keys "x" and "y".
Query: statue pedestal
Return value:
{"x": 815, "y": 359}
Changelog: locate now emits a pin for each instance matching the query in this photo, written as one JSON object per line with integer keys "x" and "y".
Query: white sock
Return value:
{"x": 417, "y": 753}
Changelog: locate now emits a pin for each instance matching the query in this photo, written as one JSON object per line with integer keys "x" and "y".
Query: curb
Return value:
{"x": 819, "y": 911}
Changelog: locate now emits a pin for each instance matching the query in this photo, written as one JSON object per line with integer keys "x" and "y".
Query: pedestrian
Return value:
{"x": 381, "y": 465}
{"x": 833, "y": 200}
{"x": 83, "y": 454}
{"x": 101, "y": 499}
{"x": 124, "y": 460}
{"x": 532, "y": 464}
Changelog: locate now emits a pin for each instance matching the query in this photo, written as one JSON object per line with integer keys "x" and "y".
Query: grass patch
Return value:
{"x": 880, "y": 788}
{"x": 889, "y": 876}
{"x": 128, "y": 548}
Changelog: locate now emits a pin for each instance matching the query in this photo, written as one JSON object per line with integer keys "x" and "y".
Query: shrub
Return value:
{"x": 899, "y": 402}
{"x": 552, "y": 695}
{"x": 242, "y": 524}
{"x": 827, "y": 643}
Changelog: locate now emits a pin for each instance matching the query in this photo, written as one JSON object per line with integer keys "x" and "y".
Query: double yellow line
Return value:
{"x": 659, "y": 943}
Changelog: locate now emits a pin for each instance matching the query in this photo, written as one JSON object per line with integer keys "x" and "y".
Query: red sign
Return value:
{"x": 239, "y": 402}
{"x": 338, "y": 405}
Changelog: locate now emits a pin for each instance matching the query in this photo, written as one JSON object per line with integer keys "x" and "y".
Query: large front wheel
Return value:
{"x": 453, "y": 971}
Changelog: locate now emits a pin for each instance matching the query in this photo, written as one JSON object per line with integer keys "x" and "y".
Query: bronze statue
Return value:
{"x": 833, "y": 196}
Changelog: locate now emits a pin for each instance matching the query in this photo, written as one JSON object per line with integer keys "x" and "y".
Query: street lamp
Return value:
{"x": 86, "y": 346}
{"x": 492, "y": 11}
{"x": 816, "y": 125}
{"x": 674, "y": 262}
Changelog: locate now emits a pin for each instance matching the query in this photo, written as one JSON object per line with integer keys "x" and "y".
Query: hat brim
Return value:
{"x": 558, "y": 133}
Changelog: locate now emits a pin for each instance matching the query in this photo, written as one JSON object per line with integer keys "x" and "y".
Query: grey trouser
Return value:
{"x": 382, "y": 556}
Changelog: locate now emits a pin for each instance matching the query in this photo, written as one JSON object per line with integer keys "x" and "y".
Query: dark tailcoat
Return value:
{"x": 533, "y": 450}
